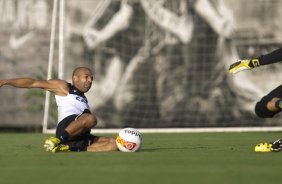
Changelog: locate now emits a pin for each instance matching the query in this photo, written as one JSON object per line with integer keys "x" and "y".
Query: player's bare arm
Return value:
{"x": 58, "y": 87}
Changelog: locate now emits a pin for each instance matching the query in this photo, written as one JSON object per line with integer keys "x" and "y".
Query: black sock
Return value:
{"x": 64, "y": 137}
{"x": 278, "y": 104}
{"x": 77, "y": 149}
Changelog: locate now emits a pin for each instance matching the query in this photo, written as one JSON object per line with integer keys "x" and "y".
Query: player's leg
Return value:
{"x": 269, "y": 147}
{"x": 91, "y": 143}
{"x": 102, "y": 144}
{"x": 270, "y": 104}
{"x": 274, "y": 104}
{"x": 267, "y": 107}
{"x": 73, "y": 127}
{"x": 82, "y": 124}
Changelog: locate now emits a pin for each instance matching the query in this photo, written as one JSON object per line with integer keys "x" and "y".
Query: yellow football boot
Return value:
{"x": 263, "y": 147}
{"x": 61, "y": 148}
{"x": 51, "y": 143}
{"x": 269, "y": 147}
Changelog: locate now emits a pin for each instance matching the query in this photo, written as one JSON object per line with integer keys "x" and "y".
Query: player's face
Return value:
{"x": 83, "y": 80}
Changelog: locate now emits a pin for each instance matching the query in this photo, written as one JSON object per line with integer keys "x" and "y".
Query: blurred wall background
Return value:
{"x": 156, "y": 63}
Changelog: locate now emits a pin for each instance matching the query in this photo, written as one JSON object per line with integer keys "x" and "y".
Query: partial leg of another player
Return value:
{"x": 270, "y": 104}
{"x": 268, "y": 107}
{"x": 269, "y": 147}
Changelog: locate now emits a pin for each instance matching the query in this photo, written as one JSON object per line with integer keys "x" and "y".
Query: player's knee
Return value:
{"x": 262, "y": 111}
{"x": 90, "y": 121}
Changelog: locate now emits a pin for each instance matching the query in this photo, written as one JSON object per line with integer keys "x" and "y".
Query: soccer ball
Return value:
{"x": 129, "y": 140}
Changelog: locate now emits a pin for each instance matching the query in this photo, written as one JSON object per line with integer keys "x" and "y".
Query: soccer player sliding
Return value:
{"x": 75, "y": 118}
{"x": 270, "y": 104}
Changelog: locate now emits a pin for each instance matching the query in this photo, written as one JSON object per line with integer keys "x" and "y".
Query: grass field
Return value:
{"x": 164, "y": 159}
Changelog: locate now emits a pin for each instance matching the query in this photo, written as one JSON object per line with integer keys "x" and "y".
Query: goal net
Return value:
{"x": 163, "y": 63}
{"x": 157, "y": 64}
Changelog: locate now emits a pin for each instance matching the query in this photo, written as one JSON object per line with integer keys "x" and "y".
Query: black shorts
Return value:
{"x": 261, "y": 107}
{"x": 80, "y": 142}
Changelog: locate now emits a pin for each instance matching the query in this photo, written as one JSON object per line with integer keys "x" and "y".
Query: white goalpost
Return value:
{"x": 196, "y": 130}
{"x": 51, "y": 58}
{"x": 61, "y": 62}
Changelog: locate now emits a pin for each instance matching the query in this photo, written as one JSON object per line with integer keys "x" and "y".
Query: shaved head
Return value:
{"x": 79, "y": 70}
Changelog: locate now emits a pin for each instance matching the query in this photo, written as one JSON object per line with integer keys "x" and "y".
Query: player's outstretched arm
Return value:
{"x": 2, "y": 82}
{"x": 58, "y": 87}
{"x": 19, "y": 82}
{"x": 245, "y": 64}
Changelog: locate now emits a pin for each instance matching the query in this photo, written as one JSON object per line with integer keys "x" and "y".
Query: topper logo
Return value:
{"x": 132, "y": 132}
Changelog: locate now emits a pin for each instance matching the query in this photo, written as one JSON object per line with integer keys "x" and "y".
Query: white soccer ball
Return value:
{"x": 129, "y": 140}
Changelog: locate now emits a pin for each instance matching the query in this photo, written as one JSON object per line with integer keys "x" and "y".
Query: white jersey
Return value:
{"x": 74, "y": 103}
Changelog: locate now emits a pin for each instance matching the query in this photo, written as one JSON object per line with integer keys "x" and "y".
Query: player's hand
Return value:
{"x": 242, "y": 65}
{"x": 2, "y": 82}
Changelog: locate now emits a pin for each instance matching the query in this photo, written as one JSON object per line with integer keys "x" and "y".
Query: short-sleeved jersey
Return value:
{"x": 74, "y": 103}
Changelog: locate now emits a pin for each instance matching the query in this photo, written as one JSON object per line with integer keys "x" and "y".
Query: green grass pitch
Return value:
{"x": 186, "y": 158}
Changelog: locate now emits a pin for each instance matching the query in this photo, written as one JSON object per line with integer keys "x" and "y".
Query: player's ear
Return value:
{"x": 74, "y": 78}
